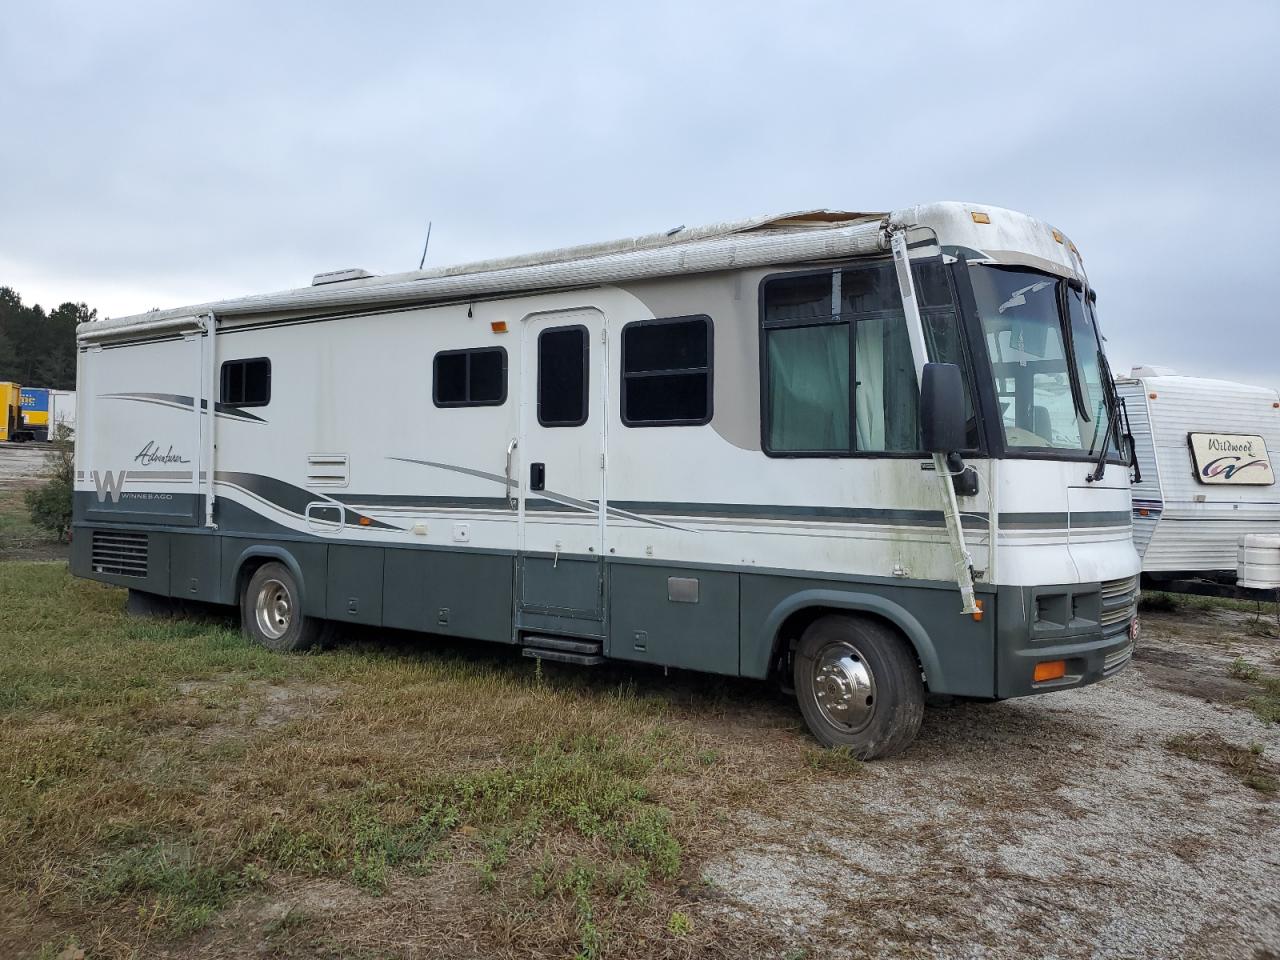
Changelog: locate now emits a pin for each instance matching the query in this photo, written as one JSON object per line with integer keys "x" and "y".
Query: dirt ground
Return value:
{"x": 22, "y": 461}
{"x": 1058, "y": 826}
{"x": 1062, "y": 826}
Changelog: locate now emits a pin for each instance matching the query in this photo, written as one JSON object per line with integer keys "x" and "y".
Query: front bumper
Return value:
{"x": 1090, "y": 626}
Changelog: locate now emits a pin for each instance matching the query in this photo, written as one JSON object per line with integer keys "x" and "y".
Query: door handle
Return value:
{"x": 511, "y": 449}
{"x": 537, "y": 476}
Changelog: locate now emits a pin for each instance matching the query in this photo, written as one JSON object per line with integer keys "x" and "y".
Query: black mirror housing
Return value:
{"x": 942, "y": 422}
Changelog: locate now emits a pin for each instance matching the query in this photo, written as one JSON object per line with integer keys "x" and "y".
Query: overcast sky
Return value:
{"x": 158, "y": 154}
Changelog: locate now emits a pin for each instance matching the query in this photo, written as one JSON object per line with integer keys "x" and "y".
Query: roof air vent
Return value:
{"x": 339, "y": 276}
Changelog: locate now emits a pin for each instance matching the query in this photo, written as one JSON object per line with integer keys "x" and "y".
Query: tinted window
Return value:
{"x": 562, "y": 377}
{"x": 245, "y": 383}
{"x": 470, "y": 378}
{"x": 843, "y": 382}
{"x": 666, "y": 372}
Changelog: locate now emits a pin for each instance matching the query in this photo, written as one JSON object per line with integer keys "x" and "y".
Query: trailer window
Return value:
{"x": 563, "y": 376}
{"x": 666, "y": 372}
{"x": 246, "y": 383}
{"x": 470, "y": 378}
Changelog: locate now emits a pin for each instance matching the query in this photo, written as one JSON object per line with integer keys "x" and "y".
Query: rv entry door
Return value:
{"x": 559, "y": 568}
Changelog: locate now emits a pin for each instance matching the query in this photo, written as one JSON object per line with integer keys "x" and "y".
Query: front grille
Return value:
{"x": 1114, "y": 661}
{"x": 1119, "y": 600}
{"x": 120, "y": 554}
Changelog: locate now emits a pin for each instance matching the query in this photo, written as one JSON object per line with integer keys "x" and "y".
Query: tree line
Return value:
{"x": 38, "y": 349}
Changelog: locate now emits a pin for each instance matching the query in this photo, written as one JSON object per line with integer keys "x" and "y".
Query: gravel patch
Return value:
{"x": 1056, "y": 826}
{"x": 21, "y": 462}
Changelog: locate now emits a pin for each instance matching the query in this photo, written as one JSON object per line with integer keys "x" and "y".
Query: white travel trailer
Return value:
{"x": 767, "y": 448}
{"x": 1204, "y": 449}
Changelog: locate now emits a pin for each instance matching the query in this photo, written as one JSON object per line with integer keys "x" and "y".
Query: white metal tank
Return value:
{"x": 1258, "y": 561}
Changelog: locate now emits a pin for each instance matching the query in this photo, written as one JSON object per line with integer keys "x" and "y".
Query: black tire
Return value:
{"x": 859, "y": 686}
{"x": 271, "y": 612}
{"x": 142, "y": 604}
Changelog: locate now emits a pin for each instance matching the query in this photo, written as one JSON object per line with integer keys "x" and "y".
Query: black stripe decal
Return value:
{"x": 292, "y": 499}
{"x": 182, "y": 402}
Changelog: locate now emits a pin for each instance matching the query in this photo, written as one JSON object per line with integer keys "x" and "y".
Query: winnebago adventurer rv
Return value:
{"x": 874, "y": 455}
{"x": 1205, "y": 451}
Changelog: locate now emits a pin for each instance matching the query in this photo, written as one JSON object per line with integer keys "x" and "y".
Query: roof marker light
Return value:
{"x": 1057, "y": 235}
{"x": 980, "y": 217}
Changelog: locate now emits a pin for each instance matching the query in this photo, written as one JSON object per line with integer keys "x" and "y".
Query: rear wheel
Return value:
{"x": 859, "y": 686}
{"x": 271, "y": 611}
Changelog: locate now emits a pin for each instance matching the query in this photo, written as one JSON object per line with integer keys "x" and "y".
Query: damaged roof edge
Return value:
{"x": 798, "y": 220}
{"x": 808, "y": 235}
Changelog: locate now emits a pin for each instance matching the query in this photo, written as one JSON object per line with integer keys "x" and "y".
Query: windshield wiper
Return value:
{"x": 1111, "y": 401}
{"x": 1069, "y": 348}
{"x": 1100, "y": 468}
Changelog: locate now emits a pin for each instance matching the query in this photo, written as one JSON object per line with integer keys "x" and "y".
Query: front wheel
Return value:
{"x": 859, "y": 686}
{"x": 271, "y": 611}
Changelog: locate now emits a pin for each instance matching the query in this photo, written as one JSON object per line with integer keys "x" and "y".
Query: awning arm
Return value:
{"x": 961, "y": 558}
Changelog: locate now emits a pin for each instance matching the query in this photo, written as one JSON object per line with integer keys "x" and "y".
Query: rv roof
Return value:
{"x": 779, "y": 238}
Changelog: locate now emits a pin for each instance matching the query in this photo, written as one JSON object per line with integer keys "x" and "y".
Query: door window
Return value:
{"x": 563, "y": 376}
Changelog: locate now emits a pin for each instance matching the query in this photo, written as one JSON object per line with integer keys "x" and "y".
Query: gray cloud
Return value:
{"x": 164, "y": 153}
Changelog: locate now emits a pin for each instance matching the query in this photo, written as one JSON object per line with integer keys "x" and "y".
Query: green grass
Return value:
{"x": 15, "y": 518}
{"x": 1266, "y": 703}
{"x": 1156, "y": 601}
{"x": 155, "y": 774}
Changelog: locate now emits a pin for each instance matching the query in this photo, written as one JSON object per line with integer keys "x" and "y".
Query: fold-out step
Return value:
{"x": 585, "y": 653}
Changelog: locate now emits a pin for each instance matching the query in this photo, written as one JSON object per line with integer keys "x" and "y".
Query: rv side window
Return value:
{"x": 666, "y": 372}
{"x": 563, "y": 376}
{"x": 838, "y": 375}
{"x": 246, "y": 383}
{"x": 470, "y": 378}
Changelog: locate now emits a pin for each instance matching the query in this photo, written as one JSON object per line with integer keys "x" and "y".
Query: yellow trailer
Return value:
{"x": 10, "y": 410}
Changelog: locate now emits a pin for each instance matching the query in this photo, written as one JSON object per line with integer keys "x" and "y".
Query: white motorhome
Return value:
{"x": 766, "y": 448}
{"x": 1204, "y": 450}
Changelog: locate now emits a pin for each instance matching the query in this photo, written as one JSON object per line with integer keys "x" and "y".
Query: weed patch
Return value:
{"x": 179, "y": 894}
{"x": 1249, "y": 765}
{"x": 1266, "y": 703}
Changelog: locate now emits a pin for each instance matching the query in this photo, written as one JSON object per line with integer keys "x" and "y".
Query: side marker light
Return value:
{"x": 1050, "y": 670}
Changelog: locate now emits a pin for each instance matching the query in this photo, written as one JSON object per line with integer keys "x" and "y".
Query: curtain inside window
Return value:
{"x": 809, "y": 388}
{"x": 887, "y": 396}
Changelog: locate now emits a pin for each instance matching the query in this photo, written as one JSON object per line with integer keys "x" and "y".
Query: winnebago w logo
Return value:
{"x": 110, "y": 483}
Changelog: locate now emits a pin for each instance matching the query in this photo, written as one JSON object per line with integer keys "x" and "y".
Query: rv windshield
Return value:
{"x": 1049, "y": 374}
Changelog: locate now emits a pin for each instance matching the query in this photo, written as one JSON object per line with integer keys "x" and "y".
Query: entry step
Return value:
{"x": 586, "y": 653}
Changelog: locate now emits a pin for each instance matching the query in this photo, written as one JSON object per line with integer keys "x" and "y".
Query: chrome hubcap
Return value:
{"x": 273, "y": 609}
{"x": 844, "y": 687}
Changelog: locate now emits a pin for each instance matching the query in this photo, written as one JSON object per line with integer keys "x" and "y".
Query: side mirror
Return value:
{"x": 942, "y": 427}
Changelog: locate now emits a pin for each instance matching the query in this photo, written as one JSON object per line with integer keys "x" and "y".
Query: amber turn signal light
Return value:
{"x": 977, "y": 614}
{"x": 1050, "y": 670}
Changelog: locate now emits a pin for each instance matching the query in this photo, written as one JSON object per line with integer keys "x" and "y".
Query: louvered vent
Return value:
{"x": 1119, "y": 600}
{"x": 120, "y": 554}
{"x": 328, "y": 470}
